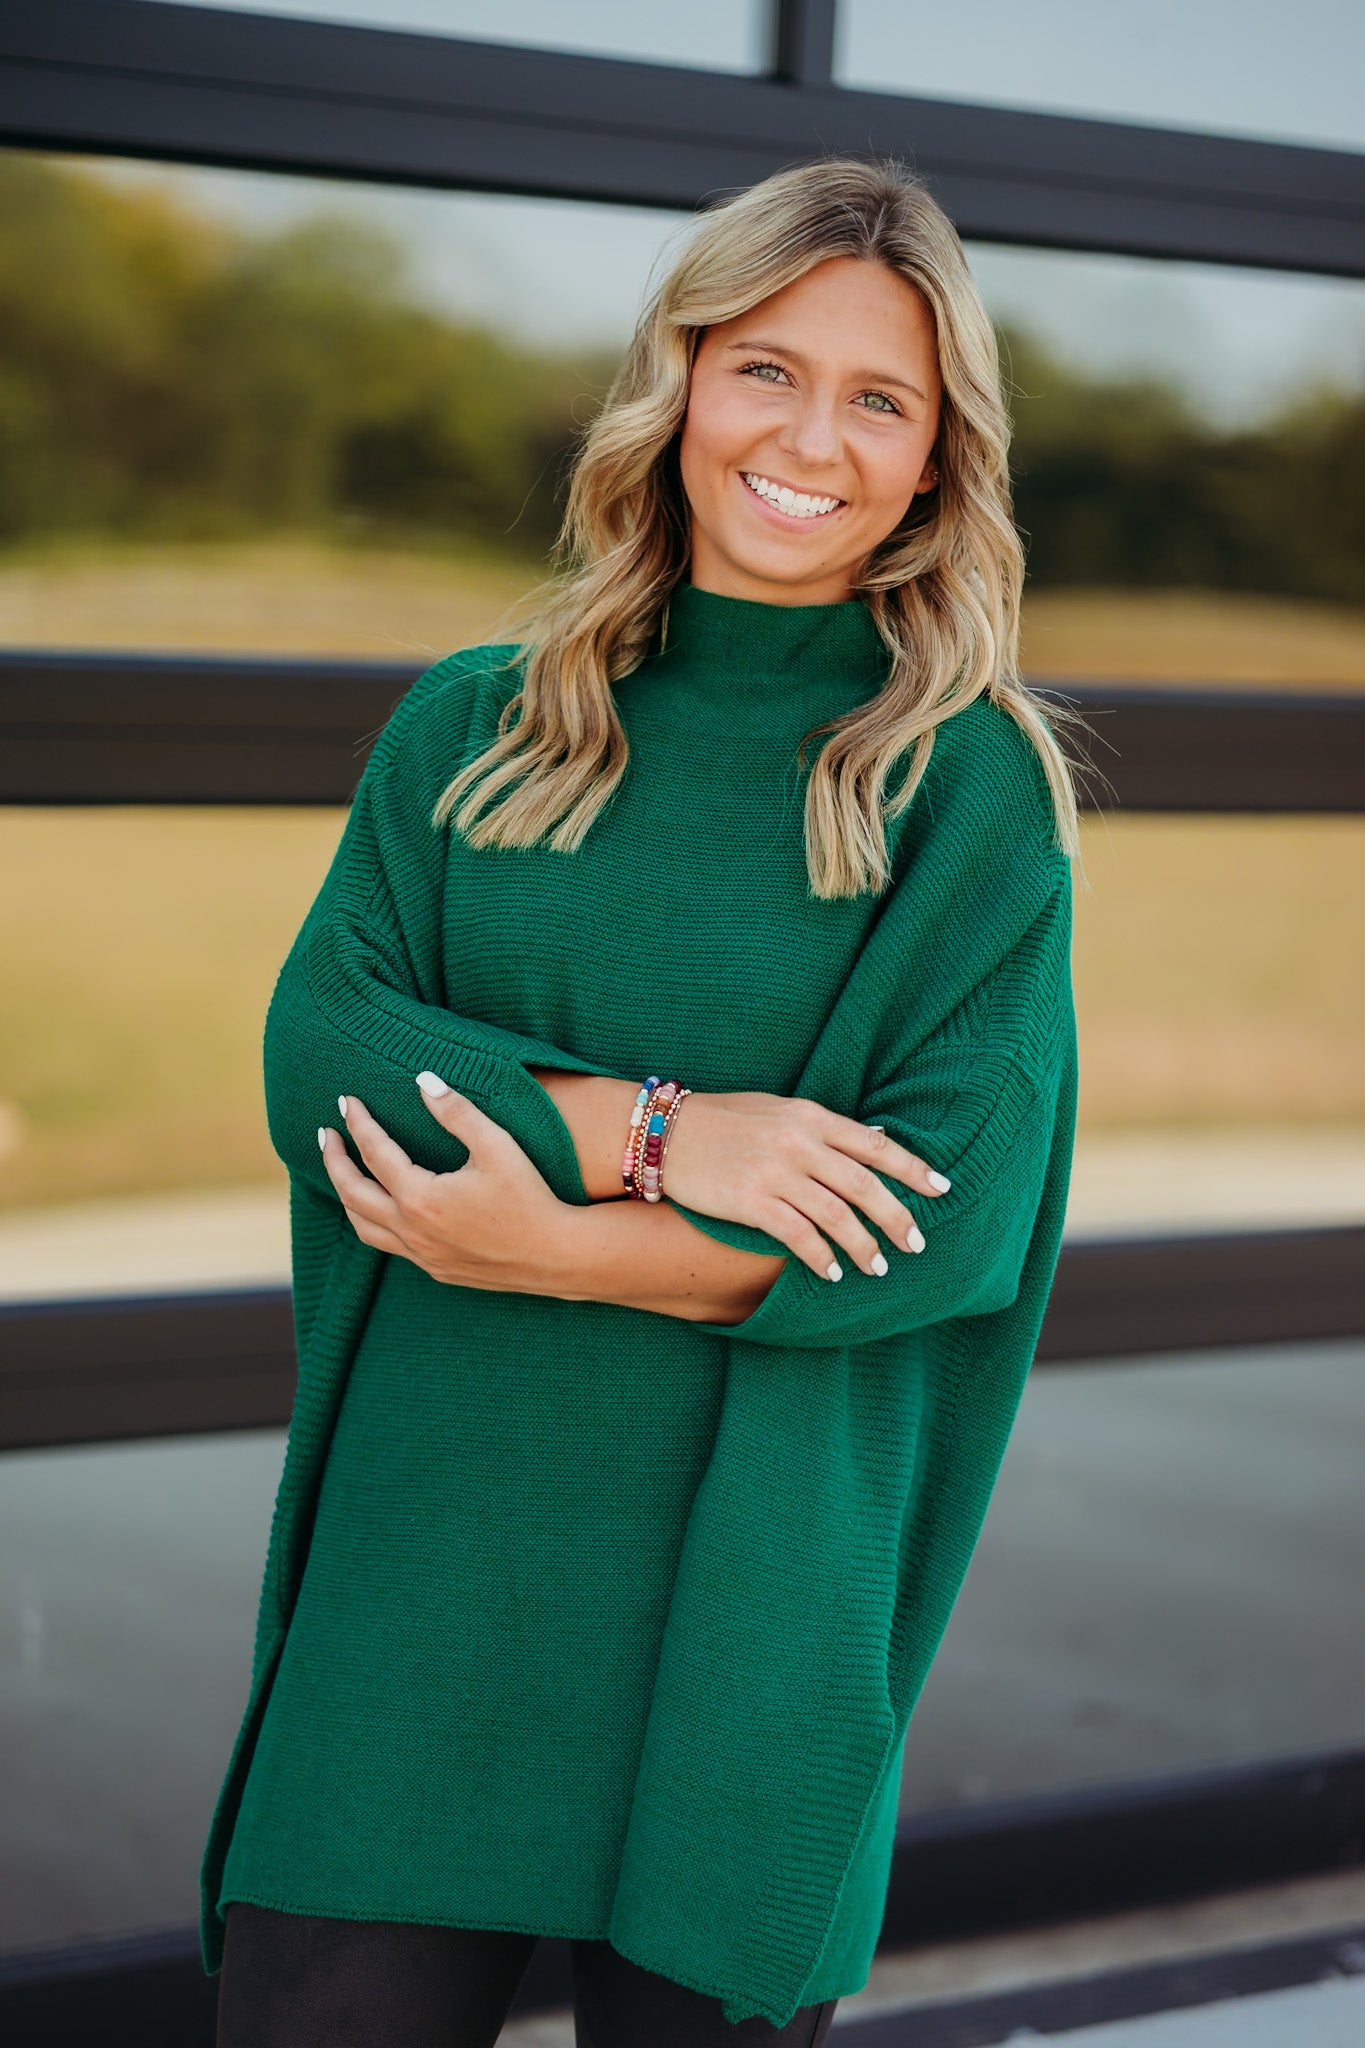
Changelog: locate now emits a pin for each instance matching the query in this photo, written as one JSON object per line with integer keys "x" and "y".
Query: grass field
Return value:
{"x": 301, "y": 597}
{"x": 1219, "y": 964}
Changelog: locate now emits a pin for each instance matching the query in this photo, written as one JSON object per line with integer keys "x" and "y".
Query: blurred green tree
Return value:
{"x": 165, "y": 374}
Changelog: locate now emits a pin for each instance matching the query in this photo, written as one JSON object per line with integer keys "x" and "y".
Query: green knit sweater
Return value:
{"x": 586, "y": 1620}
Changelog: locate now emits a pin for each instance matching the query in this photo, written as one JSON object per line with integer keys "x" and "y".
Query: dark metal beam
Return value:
{"x": 1102, "y": 1849}
{"x": 101, "y": 1371}
{"x": 1193, "y": 747}
{"x": 1124, "y": 1297}
{"x": 164, "y": 728}
{"x": 133, "y": 728}
{"x": 111, "y": 1370}
{"x": 200, "y": 85}
{"x": 803, "y": 42}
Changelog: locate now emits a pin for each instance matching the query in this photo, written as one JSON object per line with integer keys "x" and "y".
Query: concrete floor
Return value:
{"x": 1312, "y": 2016}
{"x": 1169, "y": 1578}
{"x": 1326, "y": 2015}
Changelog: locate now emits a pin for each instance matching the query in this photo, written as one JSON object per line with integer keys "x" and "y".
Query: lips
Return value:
{"x": 793, "y": 507}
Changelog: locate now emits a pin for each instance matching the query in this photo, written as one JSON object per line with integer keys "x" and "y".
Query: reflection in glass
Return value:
{"x": 252, "y": 413}
{"x": 1158, "y": 1527}
{"x": 714, "y": 35}
{"x": 1219, "y": 971}
{"x": 219, "y": 371}
{"x": 1281, "y": 72}
{"x": 1160, "y": 1587}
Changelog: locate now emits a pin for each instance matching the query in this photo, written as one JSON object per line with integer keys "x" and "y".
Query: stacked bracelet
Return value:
{"x": 651, "y": 1124}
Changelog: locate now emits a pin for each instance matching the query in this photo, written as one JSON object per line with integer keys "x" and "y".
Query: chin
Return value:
{"x": 784, "y": 565}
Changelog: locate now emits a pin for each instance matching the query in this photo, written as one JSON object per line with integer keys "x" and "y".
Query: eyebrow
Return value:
{"x": 780, "y": 348}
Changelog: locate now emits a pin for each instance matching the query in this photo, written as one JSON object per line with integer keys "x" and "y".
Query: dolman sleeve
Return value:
{"x": 360, "y": 1004}
{"x": 954, "y": 1031}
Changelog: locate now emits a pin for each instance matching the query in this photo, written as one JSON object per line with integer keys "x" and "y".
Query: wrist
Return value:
{"x": 573, "y": 1267}
{"x": 611, "y": 1103}
{"x": 596, "y": 1109}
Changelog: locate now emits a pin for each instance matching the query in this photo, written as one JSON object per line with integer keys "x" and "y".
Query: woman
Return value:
{"x": 616, "y": 1536}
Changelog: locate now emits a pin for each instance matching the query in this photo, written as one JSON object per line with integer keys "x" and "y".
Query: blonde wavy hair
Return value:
{"x": 943, "y": 587}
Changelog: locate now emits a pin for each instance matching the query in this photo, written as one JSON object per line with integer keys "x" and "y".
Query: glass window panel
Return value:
{"x": 282, "y": 414}
{"x": 711, "y": 35}
{"x": 1253, "y": 67}
{"x": 129, "y": 1577}
{"x": 1167, "y": 1581}
{"x": 1139, "y": 389}
{"x": 1219, "y": 972}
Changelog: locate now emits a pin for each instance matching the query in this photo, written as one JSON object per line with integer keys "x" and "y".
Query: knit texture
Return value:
{"x": 590, "y": 1621}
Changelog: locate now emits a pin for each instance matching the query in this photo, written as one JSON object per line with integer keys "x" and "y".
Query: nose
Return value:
{"x": 810, "y": 433}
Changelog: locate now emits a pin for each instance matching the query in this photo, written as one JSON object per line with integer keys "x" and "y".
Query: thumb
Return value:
{"x": 461, "y": 1117}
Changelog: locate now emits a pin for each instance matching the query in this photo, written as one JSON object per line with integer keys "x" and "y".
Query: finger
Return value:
{"x": 384, "y": 1156}
{"x": 799, "y": 1234}
{"x": 861, "y": 1186}
{"x": 356, "y": 1190}
{"x": 822, "y": 1206}
{"x": 874, "y": 1146}
{"x": 374, "y": 1234}
{"x": 458, "y": 1115}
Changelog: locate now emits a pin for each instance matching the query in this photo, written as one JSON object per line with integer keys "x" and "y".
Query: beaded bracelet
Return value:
{"x": 633, "y": 1135}
{"x": 659, "y": 1120}
{"x": 648, "y": 1151}
{"x": 651, "y": 1124}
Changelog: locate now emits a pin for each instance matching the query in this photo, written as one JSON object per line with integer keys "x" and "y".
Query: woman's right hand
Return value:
{"x": 795, "y": 1169}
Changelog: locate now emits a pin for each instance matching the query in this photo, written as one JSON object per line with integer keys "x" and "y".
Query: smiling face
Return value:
{"x": 810, "y": 421}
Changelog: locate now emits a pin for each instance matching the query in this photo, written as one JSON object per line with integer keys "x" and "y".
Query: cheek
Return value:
{"x": 891, "y": 477}
{"x": 718, "y": 430}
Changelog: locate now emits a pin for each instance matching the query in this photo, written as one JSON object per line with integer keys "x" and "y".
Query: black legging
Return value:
{"x": 295, "y": 1980}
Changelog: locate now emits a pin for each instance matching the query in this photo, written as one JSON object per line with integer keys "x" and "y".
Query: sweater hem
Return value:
{"x": 482, "y": 1924}
{"x": 542, "y": 1930}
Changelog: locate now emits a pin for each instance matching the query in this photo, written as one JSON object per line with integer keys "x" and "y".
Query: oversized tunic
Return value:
{"x": 587, "y": 1620}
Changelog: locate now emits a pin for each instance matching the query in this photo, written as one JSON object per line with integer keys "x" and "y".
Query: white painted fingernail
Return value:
{"x": 938, "y": 1180}
{"x": 341, "y": 1104}
{"x": 432, "y": 1084}
{"x": 322, "y": 1137}
{"x": 916, "y": 1238}
{"x": 834, "y": 1271}
{"x": 879, "y": 1264}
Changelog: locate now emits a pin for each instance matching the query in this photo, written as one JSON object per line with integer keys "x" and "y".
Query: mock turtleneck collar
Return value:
{"x": 742, "y": 639}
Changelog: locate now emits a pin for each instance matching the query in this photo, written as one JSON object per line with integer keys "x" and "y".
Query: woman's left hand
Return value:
{"x": 492, "y": 1223}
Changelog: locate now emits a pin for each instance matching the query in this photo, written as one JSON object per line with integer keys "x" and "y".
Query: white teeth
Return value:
{"x": 797, "y": 504}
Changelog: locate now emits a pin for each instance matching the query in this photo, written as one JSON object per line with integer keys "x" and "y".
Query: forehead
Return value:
{"x": 844, "y": 304}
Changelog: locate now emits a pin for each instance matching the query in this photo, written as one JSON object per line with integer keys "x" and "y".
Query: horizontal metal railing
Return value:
{"x": 151, "y": 728}
{"x": 108, "y": 1370}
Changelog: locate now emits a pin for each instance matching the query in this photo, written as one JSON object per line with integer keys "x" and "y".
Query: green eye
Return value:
{"x": 889, "y": 406}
